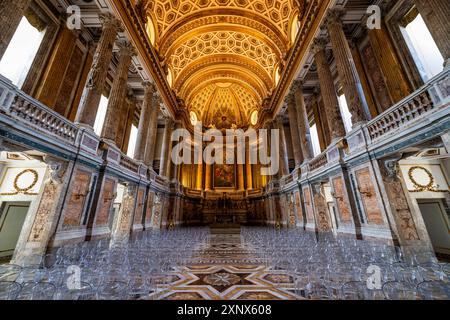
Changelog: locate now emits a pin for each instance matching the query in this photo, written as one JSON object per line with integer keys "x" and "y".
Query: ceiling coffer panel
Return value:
{"x": 223, "y": 56}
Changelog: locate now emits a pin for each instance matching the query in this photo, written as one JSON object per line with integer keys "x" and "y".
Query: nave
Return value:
{"x": 247, "y": 263}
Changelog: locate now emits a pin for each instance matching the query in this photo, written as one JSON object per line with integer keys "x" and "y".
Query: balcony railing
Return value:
{"x": 129, "y": 164}
{"x": 17, "y": 105}
{"x": 21, "y": 106}
{"x": 429, "y": 97}
{"x": 318, "y": 162}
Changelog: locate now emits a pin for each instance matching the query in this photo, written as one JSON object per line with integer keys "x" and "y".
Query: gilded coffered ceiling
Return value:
{"x": 223, "y": 57}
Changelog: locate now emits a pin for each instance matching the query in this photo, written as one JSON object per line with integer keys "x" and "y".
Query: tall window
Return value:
{"x": 101, "y": 114}
{"x": 421, "y": 44}
{"x": 345, "y": 113}
{"x": 315, "y": 140}
{"x": 21, "y": 51}
{"x": 132, "y": 143}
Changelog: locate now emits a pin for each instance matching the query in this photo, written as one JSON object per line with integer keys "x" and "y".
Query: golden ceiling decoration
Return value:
{"x": 223, "y": 42}
{"x": 169, "y": 13}
{"x": 205, "y": 44}
{"x": 224, "y": 105}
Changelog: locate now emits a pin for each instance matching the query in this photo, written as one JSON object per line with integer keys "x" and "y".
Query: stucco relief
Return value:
{"x": 369, "y": 197}
{"x": 139, "y": 207}
{"x": 44, "y": 211}
{"x": 80, "y": 190}
{"x": 126, "y": 210}
{"x": 108, "y": 196}
{"x": 341, "y": 199}
{"x": 308, "y": 205}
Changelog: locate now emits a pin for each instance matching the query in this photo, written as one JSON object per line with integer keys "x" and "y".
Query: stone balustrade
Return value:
{"x": 129, "y": 164}
{"x": 17, "y": 106}
{"x": 413, "y": 108}
{"x": 21, "y": 106}
{"x": 318, "y": 162}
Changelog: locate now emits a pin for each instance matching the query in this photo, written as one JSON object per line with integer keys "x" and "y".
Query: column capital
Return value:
{"x": 279, "y": 119}
{"x": 319, "y": 44}
{"x": 149, "y": 87}
{"x": 126, "y": 48}
{"x": 157, "y": 99}
{"x": 290, "y": 99}
{"x": 109, "y": 20}
{"x": 334, "y": 17}
{"x": 297, "y": 85}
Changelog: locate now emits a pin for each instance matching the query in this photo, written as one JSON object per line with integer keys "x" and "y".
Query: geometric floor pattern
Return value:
{"x": 225, "y": 270}
{"x": 228, "y": 282}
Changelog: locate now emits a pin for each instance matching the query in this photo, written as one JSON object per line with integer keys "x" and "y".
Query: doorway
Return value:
{"x": 12, "y": 217}
{"x": 437, "y": 224}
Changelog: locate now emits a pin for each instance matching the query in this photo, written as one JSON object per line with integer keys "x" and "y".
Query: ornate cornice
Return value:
{"x": 313, "y": 19}
{"x": 136, "y": 30}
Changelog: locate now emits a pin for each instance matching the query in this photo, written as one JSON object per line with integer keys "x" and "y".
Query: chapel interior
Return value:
{"x": 91, "y": 92}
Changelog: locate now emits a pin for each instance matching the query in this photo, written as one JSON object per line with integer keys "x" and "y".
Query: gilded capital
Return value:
{"x": 109, "y": 20}
{"x": 319, "y": 44}
{"x": 126, "y": 48}
{"x": 297, "y": 85}
{"x": 149, "y": 87}
{"x": 334, "y": 17}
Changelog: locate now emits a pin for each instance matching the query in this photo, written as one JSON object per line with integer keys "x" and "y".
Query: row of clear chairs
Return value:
{"x": 329, "y": 267}
{"x": 138, "y": 269}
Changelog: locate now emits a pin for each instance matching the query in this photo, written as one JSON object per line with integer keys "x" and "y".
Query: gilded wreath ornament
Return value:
{"x": 420, "y": 187}
{"x": 24, "y": 190}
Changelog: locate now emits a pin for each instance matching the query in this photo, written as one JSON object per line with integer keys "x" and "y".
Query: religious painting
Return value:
{"x": 224, "y": 176}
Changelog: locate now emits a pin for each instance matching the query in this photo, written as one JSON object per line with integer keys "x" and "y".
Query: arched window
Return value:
{"x": 277, "y": 75}
{"x": 295, "y": 27}
{"x": 170, "y": 77}
{"x": 151, "y": 32}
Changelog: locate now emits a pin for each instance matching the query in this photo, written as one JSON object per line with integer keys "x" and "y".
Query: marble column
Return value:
{"x": 284, "y": 161}
{"x": 293, "y": 124}
{"x": 125, "y": 122}
{"x": 389, "y": 63}
{"x": 240, "y": 174}
{"x": 11, "y": 12}
{"x": 303, "y": 123}
{"x": 436, "y": 15}
{"x": 199, "y": 166}
{"x": 165, "y": 150}
{"x": 95, "y": 84}
{"x": 118, "y": 92}
{"x": 144, "y": 121}
{"x": 153, "y": 131}
{"x": 248, "y": 169}
{"x": 208, "y": 177}
{"x": 199, "y": 177}
{"x": 328, "y": 90}
{"x": 346, "y": 67}
{"x": 174, "y": 169}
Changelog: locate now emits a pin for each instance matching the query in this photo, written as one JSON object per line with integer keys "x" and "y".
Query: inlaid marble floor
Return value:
{"x": 226, "y": 270}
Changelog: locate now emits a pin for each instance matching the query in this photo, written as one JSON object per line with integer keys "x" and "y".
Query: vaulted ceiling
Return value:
{"x": 223, "y": 57}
